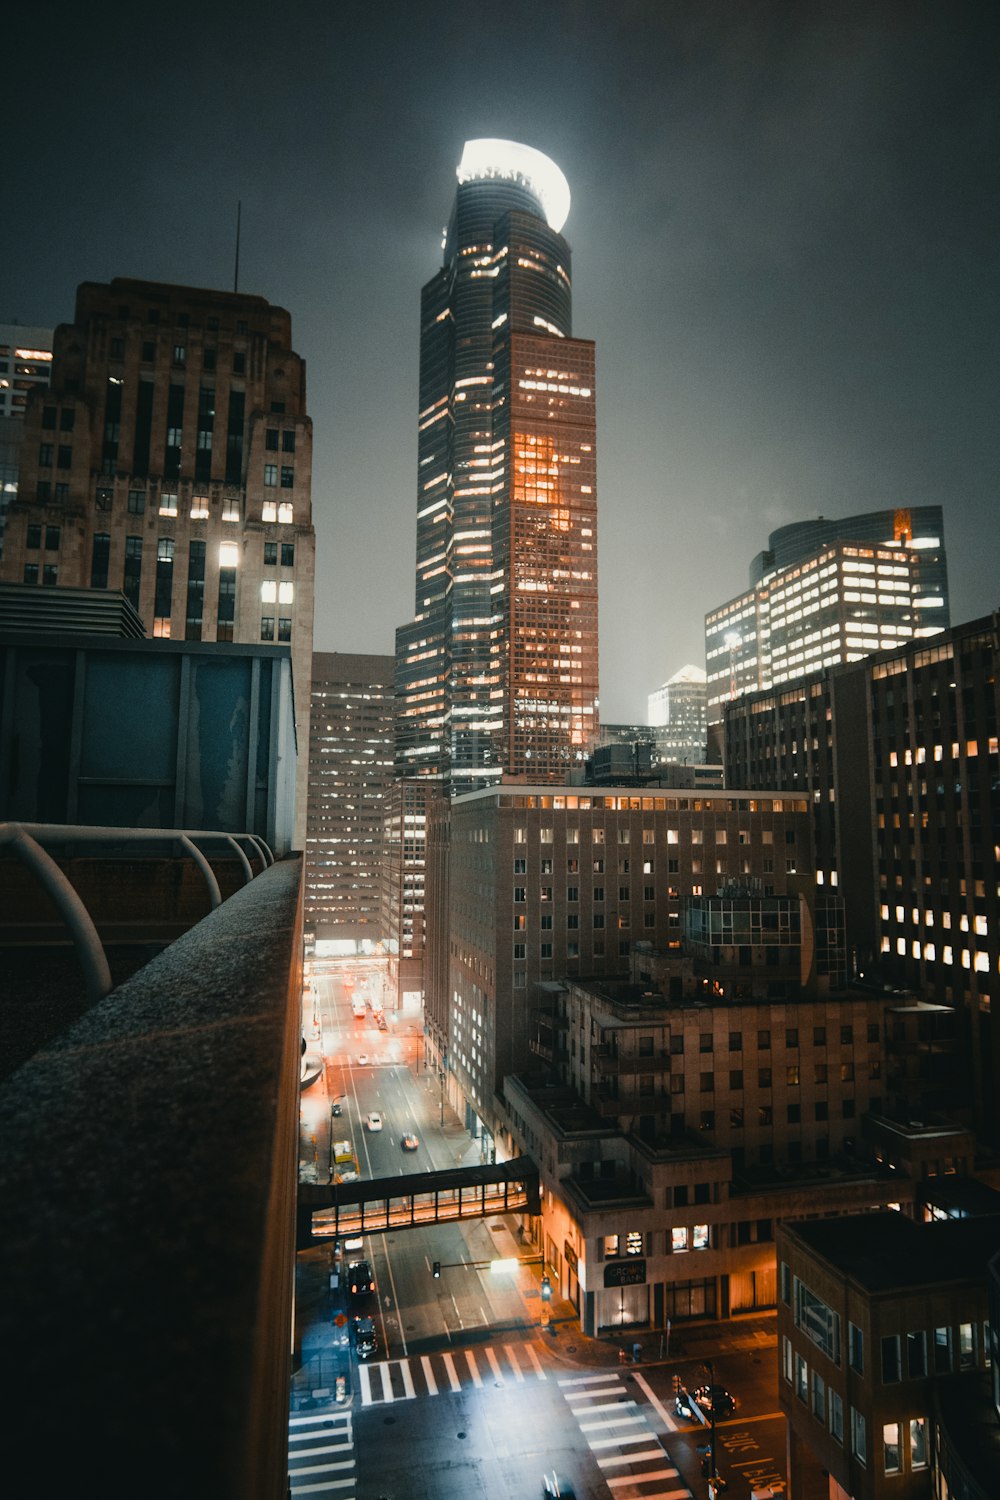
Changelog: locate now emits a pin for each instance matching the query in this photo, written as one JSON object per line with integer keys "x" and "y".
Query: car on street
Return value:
{"x": 709, "y": 1398}
{"x": 561, "y": 1489}
{"x": 373, "y": 1121}
{"x": 359, "y": 1279}
{"x": 409, "y": 1141}
{"x": 365, "y": 1337}
{"x": 335, "y": 1108}
{"x": 346, "y": 1174}
{"x": 362, "y": 1059}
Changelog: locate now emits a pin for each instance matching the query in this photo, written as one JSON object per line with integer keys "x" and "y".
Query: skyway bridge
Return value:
{"x": 415, "y": 1200}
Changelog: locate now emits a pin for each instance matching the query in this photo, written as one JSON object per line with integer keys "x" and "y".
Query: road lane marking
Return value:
{"x": 365, "y": 1381}
{"x": 495, "y": 1365}
{"x": 313, "y": 1452}
{"x": 449, "y": 1362}
{"x": 518, "y": 1372}
{"x": 586, "y": 1411}
{"x": 618, "y": 1442}
{"x": 477, "y": 1379}
{"x": 387, "y": 1392}
{"x": 428, "y": 1374}
{"x": 656, "y": 1404}
{"x": 630, "y": 1458}
{"x": 637, "y": 1421}
{"x": 623, "y": 1479}
{"x": 588, "y": 1379}
{"x": 536, "y": 1362}
{"x": 408, "y": 1385}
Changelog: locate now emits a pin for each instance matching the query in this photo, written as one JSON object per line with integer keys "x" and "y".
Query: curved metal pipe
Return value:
{"x": 88, "y": 945}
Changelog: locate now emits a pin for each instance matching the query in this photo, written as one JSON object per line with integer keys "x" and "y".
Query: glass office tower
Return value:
{"x": 497, "y": 673}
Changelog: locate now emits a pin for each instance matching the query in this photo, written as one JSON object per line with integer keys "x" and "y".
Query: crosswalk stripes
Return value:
{"x": 619, "y": 1436}
{"x": 321, "y": 1455}
{"x": 430, "y": 1375}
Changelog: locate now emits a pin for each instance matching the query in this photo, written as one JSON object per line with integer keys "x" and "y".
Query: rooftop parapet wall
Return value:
{"x": 147, "y": 1190}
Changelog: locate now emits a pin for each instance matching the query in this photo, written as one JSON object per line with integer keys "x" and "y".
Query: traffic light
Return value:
{"x": 677, "y": 1385}
{"x": 546, "y": 1289}
{"x": 436, "y": 1269}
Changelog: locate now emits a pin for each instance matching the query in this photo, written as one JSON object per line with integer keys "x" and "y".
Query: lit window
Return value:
{"x": 271, "y": 475}
{"x": 269, "y": 593}
{"x": 285, "y": 513}
{"x": 168, "y": 505}
{"x": 199, "y": 507}
{"x": 678, "y": 1240}
{"x": 285, "y": 593}
{"x": 270, "y": 512}
{"x": 229, "y": 554}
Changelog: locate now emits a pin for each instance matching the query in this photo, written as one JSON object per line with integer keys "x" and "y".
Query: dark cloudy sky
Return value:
{"x": 784, "y": 228}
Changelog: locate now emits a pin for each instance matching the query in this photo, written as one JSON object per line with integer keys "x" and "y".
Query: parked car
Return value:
{"x": 365, "y": 1337}
{"x": 409, "y": 1141}
{"x": 335, "y": 1108}
{"x": 709, "y": 1398}
{"x": 373, "y": 1121}
{"x": 362, "y": 1059}
{"x": 359, "y": 1279}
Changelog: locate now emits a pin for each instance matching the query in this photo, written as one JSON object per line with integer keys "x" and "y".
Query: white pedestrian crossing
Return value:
{"x": 321, "y": 1455}
{"x": 431, "y": 1374}
{"x": 618, "y": 1434}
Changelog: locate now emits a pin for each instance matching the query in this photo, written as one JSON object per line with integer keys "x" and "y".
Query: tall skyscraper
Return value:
{"x": 172, "y": 459}
{"x": 497, "y": 673}
{"x": 827, "y": 592}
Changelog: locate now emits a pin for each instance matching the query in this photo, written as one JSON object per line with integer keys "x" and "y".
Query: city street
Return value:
{"x": 467, "y": 1393}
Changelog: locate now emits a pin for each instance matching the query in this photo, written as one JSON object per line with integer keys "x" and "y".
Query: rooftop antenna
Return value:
{"x": 236, "y": 269}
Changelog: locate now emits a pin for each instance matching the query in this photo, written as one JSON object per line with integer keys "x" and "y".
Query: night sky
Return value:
{"x": 784, "y": 229}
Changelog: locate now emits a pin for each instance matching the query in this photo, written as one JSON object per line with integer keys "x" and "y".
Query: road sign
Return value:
{"x": 340, "y": 1320}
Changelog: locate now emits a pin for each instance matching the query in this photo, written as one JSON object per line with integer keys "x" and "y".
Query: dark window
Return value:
{"x": 287, "y": 478}
{"x": 241, "y": 326}
{"x": 271, "y": 439}
{"x": 195, "y": 591}
{"x": 284, "y": 630}
{"x": 133, "y": 569}
{"x": 846, "y": 1035}
{"x": 33, "y": 539}
{"x": 67, "y": 419}
{"x": 180, "y": 354}
{"x": 288, "y": 554}
{"x": 52, "y": 538}
{"x": 117, "y": 348}
{"x": 45, "y": 452}
{"x": 31, "y": 572}
{"x": 270, "y": 554}
{"x": 234, "y": 437}
{"x": 148, "y": 353}
{"x": 100, "y": 557}
{"x": 278, "y": 408}
{"x": 65, "y": 458}
{"x": 206, "y": 429}
{"x": 175, "y": 425}
{"x": 136, "y": 502}
{"x": 48, "y": 416}
{"x": 819, "y": 1036}
{"x": 104, "y": 498}
{"x": 288, "y": 441}
{"x": 43, "y": 491}
{"x": 143, "y": 427}
{"x": 227, "y": 604}
{"x": 164, "y": 578}
{"x": 791, "y": 1036}
{"x": 239, "y": 364}
{"x": 208, "y": 360}
{"x": 763, "y": 1040}
{"x": 50, "y": 574}
{"x": 61, "y": 492}
{"x": 267, "y": 628}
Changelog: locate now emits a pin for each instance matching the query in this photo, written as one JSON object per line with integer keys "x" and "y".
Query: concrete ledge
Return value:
{"x": 147, "y": 1190}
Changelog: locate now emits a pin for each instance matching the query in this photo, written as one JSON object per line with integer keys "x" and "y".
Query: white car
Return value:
{"x": 373, "y": 1121}
{"x": 362, "y": 1059}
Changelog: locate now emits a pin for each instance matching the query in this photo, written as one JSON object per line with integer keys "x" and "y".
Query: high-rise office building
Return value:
{"x": 899, "y": 756}
{"x": 350, "y": 786}
{"x": 827, "y": 592}
{"x": 677, "y": 709}
{"x": 25, "y": 364}
{"x": 497, "y": 673}
{"x": 172, "y": 459}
